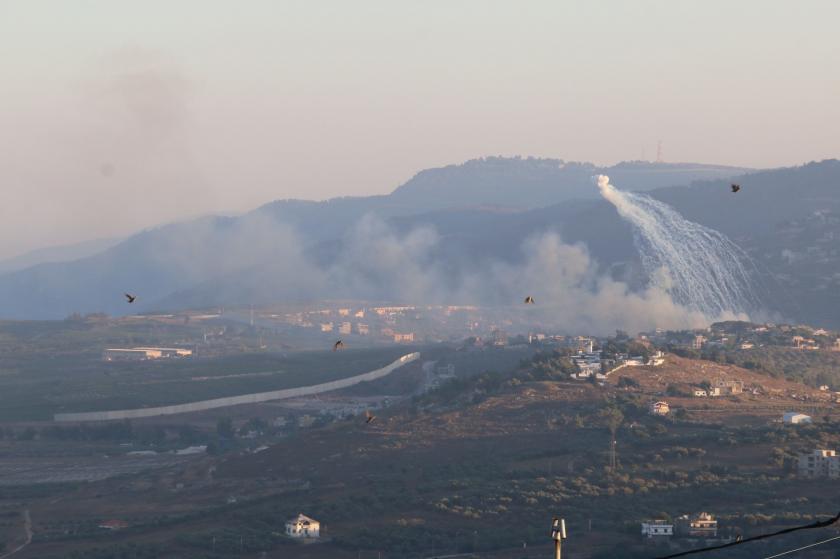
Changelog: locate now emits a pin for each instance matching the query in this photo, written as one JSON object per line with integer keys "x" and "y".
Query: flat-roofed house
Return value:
{"x": 700, "y": 525}
{"x": 302, "y": 526}
{"x": 657, "y": 528}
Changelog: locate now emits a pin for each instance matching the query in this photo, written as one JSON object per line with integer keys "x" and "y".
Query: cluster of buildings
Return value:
{"x": 145, "y": 353}
{"x": 385, "y": 322}
{"x": 397, "y": 324}
{"x": 721, "y": 387}
{"x": 591, "y": 364}
{"x": 701, "y": 525}
{"x": 747, "y": 336}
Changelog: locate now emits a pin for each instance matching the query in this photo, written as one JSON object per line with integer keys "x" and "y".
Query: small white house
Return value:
{"x": 657, "y": 528}
{"x": 700, "y": 393}
{"x": 302, "y": 526}
{"x": 657, "y": 359}
{"x": 794, "y": 418}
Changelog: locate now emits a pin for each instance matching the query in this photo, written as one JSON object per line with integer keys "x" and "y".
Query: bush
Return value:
{"x": 627, "y": 382}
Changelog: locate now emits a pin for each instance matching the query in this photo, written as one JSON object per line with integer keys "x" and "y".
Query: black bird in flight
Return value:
{"x": 130, "y": 297}
{"x": 736, "y": 187}
{"x": 370, "y": 417}
{"x": 338, "y": 345}
{"x": 529, "y": 300}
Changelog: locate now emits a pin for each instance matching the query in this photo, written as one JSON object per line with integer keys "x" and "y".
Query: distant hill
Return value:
{"x": 533, "y": 183}
{"x": 787, "y": 219}
{"x": 515, "y": 183}
{"x": 62, "y": 253}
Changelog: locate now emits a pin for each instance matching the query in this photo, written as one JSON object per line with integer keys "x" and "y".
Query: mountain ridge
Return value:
{"x": 278, "y": 243}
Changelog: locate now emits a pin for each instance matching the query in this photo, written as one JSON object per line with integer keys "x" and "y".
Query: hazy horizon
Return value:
{"x": 119, "y": 116}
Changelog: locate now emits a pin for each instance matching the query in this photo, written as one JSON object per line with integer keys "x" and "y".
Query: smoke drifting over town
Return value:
{"x": 376, "y": 262}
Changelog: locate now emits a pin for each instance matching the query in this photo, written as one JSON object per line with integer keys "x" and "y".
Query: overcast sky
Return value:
{"x": 118, "y": 115}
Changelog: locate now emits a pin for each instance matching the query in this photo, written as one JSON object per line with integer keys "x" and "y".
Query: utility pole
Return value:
{"x": 558, "y": 534}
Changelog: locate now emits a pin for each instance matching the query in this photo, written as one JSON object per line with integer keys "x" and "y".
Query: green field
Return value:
{"x": 90, "y": 385}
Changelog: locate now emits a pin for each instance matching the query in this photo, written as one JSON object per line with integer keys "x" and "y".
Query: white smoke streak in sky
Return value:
{"x": 701, "y": 268}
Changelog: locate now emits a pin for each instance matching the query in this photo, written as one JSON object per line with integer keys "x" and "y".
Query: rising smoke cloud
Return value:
{"x": 699, "y": 267}
{"x": 378, "y": 263}
{"x": 260, "y": 261}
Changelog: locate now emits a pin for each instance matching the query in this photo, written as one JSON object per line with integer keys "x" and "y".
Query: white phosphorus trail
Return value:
{"x": 701, "y": 268}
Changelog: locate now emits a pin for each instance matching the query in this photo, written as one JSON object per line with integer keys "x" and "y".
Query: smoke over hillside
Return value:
{"x": 376, "y": 262}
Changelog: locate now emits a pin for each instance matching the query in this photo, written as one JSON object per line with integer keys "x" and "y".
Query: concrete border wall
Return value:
{"x": 238, "y": 400}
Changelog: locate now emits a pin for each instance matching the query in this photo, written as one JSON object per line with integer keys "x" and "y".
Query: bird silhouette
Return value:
{"x": 529, "y": 300}
{"x": 370, "y": 417}
{"x": 736, "y": 187}
{"x": 338, "y": 345}
{"x": 130, "y": 297}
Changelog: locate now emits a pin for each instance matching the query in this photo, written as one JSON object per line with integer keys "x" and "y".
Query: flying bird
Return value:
{"x": 370, "y": 417}
{"x": 736, "y": 187}
{"x": 529, "y": 300}
{"x": 130, "y": 297}
{"x": 338, "y": 345}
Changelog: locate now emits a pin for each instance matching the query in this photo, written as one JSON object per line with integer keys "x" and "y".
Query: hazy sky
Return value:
{"x": 117, "y": 115}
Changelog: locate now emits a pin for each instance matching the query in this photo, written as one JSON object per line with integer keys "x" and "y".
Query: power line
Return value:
{"x": 803, "y": 547}
{"x": 818, "y": 524}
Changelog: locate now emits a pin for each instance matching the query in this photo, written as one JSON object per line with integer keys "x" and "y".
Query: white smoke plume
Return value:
{"x": 699, "y": 267}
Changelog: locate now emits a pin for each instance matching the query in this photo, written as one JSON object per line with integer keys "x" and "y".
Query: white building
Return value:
{"x": 302, "y": 526}
{"x": 657, "y": 528}
{"x": 657, "y": 359}
{"x": 819, "y": 463}
{"x": 701, "y": 525}
{"x": 144, "y": 353}
{"x": 794, "y": 418}
{"x": 588, "y": 363}
{"x": 723, "y": 387}
{"x": 700, "y": 393}
{"x": 588, "y": 369}
{"x": 660, "y": 408}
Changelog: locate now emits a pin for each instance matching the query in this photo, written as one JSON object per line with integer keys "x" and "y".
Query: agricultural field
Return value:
{"x": 74, "y": 377}
{"x": 476, "y": 466}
